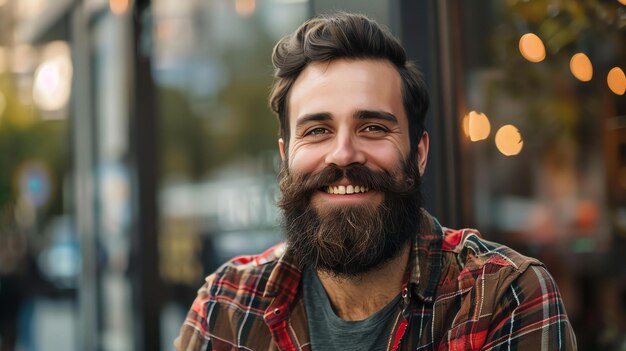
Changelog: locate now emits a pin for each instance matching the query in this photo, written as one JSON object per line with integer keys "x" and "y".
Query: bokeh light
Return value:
{"x": 532, "y": 48}
{"x": 245, "y": 7}
{"x": 118, "y": 7}
{"x": 509, "y": 141}
{"x": 616, "y": 80}
{"x": 478, "y": 127}
{"x": 623, "y": 2}
{"x": 53, "y": 77}
{"x": 581, "y": 67}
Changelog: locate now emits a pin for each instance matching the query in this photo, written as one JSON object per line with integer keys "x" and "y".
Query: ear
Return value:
{"x": 281, "y": 148}
{"x": 422, "y": 153}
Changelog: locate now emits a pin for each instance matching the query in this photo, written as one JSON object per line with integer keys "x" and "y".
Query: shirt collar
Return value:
{"x": 425, "y": 259}
{"x": 285, "y": 276}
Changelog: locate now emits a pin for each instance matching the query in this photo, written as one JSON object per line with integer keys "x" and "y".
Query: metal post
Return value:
{"x": 82, "y": 130}
{"x": 424, "y": 29}
{"x": 147, "y": 292}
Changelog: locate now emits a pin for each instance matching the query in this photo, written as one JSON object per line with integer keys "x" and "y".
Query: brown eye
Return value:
{"x": 375, "y": 129}
{"x": 317, "y": 131}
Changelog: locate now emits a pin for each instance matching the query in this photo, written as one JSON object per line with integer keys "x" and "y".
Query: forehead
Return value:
{"x": 343, "y": 86}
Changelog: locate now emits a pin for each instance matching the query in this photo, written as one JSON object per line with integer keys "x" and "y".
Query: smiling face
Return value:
{"x": 347, "y": 112}
{"x": 350, "y": 183}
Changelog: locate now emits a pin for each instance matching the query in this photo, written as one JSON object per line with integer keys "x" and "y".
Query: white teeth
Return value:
{"x": 349, "y": 189}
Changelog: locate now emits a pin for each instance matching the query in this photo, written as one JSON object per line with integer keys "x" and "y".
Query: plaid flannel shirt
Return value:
{"x": 460, "y": 292}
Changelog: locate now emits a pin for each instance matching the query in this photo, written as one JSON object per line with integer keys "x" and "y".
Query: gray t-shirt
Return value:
{"x": 329, "y": 332}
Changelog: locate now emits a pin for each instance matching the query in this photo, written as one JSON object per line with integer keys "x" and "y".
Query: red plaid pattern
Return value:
{"x": 464, "y": 293}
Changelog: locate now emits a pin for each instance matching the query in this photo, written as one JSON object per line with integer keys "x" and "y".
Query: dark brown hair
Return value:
{"x": 352, "y": 36}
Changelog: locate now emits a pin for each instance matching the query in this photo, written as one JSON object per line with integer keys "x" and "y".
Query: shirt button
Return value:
{"x": 277, "y": 311}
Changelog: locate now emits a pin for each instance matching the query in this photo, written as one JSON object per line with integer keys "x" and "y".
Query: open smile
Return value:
{"x": 346, "y": 189}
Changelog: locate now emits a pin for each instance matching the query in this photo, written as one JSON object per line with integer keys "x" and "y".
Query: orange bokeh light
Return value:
{"x": 616, "y": 80}
{"x": 532, "y": 48}
{"x": 118, "y": 7}
{"x": 581, "y": 67}
{"x": 478, "y": 126}
{"x": 509, "y": 141}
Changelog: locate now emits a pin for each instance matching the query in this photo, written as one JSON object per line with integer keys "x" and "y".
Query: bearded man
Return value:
{"x": 364, "y": 267}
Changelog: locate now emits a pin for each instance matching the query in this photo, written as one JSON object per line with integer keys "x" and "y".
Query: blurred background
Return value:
{"x": 137, "y": 151}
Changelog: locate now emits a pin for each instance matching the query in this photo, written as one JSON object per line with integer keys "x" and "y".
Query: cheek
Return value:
{"x": 305, "y": 158}
{"x": 385, "y": 156}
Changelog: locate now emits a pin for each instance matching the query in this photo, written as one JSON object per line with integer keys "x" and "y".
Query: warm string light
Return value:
{"x": 616, "y": 81}
{"x": 531, "y": 47}
{"x": 478, "y": 126}
{"x": 509, "y": 141}
{"x": 581, "y": 67}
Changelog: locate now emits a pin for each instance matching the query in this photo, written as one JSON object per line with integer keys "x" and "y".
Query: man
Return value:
{"x": 364, "y": 267}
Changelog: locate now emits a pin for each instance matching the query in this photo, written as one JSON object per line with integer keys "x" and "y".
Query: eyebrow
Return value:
{"x": 313, "y": 117}
{"x": 367, "y": 114}
{"x": 360, "y": 114}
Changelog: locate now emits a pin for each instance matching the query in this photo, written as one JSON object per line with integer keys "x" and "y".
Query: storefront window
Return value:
{"x": 218, "y": 138}
{"x": 541, "y": 95}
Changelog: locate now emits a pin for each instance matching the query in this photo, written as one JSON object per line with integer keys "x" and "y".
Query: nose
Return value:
{"x": 345, "y": 151}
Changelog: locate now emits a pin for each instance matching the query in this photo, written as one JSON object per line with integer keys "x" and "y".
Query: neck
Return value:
{"x": 360, "y": 297}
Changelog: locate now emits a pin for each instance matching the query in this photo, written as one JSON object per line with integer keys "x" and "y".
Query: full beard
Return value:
{"x": 348, "y": 241}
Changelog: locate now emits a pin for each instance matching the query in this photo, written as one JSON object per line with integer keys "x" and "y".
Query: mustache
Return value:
{"x": 306, "y": 184}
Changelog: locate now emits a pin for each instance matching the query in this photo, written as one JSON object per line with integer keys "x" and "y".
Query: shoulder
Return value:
{"x": 476, "y": 255}
{"x": 507, "y": 298}
{"x": 479, "y": 263}
{"x": 243, "y": 276}
{"x": 236, "y": 289}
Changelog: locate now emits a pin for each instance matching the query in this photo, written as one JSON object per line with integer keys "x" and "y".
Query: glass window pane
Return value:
{"x": 542, "y": 140}
{"x": 218, "y": 137}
